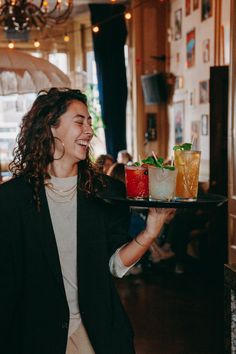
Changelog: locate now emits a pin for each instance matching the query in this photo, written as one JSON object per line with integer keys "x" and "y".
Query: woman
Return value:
{"x": 60, "y": 242}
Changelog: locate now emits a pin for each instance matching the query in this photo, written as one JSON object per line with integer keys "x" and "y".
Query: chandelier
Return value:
{"x": 23, "y": 15}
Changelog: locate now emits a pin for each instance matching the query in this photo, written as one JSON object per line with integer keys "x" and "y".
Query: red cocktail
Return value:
{"x": 136, "y": 180}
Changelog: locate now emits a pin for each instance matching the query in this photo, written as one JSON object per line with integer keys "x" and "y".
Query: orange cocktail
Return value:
{"x": 187, "y": 163}
{"x": 136, "y": 180}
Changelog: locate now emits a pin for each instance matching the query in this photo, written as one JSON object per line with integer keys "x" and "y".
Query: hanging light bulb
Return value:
{"x": 113, "y": 1}
{"x": 66, "y": 37}
{"x": 95, "y": 29}
{"x": 36, "y": 43}
{"x": 22, "y": 15}
{"x": 128, "y": 15}
{"x": 11, "y": 45}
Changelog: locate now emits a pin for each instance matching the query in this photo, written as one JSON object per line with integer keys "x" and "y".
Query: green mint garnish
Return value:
{"x": 168, "y": 167}
{"x": 185, "y": 146}
{"x": 159, "y": 162}
{"x": 136, "y": 164}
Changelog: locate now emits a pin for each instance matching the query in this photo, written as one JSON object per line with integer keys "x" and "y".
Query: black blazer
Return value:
{"x": 34, "y": 313}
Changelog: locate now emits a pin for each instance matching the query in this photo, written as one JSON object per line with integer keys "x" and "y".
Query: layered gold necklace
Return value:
{"x": 60, "y": 195}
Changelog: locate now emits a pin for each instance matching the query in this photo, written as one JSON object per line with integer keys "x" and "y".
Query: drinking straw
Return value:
{"x": 154, "y": 155}
{"x": 192, "y": 142}
{"x": 172, "y": 160}
{"x": 140, "y": 160}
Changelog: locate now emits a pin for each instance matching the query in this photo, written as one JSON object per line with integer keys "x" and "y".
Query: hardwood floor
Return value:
{"x": 174, "y": 313}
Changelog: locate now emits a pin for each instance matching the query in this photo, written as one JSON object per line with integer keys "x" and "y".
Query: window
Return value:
{"x": 60, "y": 60}
{"x": 12, "y": 109}
{"x": 98, "y": 142}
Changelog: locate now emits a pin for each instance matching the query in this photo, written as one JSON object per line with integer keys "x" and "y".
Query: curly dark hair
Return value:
{"x": 35, "y": 143}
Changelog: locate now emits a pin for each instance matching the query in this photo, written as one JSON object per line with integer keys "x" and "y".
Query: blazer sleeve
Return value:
{"x": 118, "y": 227}
{"x": 8, "y": 288}
{"x": 117, "y": 216}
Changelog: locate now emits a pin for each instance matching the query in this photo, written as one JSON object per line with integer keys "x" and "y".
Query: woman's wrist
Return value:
{"x": 145, "y": 239}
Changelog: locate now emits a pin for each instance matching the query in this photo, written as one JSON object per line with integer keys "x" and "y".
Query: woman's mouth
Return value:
{"x": 83, "y": 143}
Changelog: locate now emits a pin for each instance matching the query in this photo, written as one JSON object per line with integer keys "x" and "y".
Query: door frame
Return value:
{"x": 232, "y": 139}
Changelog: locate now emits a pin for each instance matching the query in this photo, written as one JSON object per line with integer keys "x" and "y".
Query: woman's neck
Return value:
{"x": 59, "y": 169}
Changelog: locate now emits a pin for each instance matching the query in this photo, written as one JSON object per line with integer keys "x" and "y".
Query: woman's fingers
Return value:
{"x": 166, "y": 211}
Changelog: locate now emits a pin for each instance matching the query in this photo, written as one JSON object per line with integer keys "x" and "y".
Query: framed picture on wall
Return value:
{"x": 177, "y": 57}
{"x": 204, "y": 91}
{"x": 204, "y": 124}
{"x": 195, "y": 134}
{"x": 192, "y": 98}
{"x": 190, "y": 48}
{"x": 178, "y": 24}
{"x": 206, "y": 9}
{"x": 179, "y": 121}
{"x": 206, "y": 50}
{"x": 187, "y": 7}
{"x": 179, "y": 82}
{"x": 195, "y": 4}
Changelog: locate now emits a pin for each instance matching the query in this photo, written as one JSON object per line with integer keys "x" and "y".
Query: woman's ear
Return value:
{"x": 53, "y": 130}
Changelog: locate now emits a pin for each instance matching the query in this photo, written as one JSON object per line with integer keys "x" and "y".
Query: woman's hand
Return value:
{"x": 156, "y": 219}
{"x": 134, "y": 250}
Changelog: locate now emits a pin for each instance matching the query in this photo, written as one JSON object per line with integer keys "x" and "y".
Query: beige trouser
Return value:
{"x": 78, "y": 342}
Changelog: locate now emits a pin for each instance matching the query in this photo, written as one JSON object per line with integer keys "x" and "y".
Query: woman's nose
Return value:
{"x": 88, "y": 129}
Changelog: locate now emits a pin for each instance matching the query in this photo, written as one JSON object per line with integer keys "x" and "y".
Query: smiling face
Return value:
{"x": 75, "y": 131}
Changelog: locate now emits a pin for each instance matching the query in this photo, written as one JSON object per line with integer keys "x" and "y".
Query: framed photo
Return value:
{"x": 195, "y": 134}
{"x": 206, "y": 50}
{"x": 206, "y": 9}
{"x": 195, "y": 4}
{"x": 204, "y": 91}
{"x": 178, "y": 24}
{"x": 179, "y": 82}
{"x": 190, "y": 48}
{"x": 179, "y": 121}
{"x": 204, "y": 124}
{"x": 187, "y": 7}
{"x": 192, "y": 98}
{"x": 177, "y": 57}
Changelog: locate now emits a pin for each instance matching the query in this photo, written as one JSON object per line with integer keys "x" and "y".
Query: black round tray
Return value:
{"x": 208, "y": 200}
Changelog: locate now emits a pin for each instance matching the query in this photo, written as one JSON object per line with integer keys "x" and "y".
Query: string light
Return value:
{"x": 128, "y": 15}
{"x": 36, "y": 43}
{"x": 95, "y": 29}
{"x": 11, "y": 45}
{"x": 66, "y": 37}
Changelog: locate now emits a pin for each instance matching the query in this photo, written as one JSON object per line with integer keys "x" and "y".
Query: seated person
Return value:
{"x": 187, "y": 225}
{"x": 104, "y": 162}
{"x": 124, "y": 157}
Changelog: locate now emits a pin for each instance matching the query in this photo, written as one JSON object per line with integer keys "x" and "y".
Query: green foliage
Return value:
{"x": 94, "y": 107}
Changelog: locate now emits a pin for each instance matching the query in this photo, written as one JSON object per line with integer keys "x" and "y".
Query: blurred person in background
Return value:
{"x": 124, "y": 157}
{"x": 104, "y": 162}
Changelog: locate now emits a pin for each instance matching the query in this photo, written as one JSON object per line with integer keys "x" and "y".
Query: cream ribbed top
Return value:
{"x": 63, "y": 211}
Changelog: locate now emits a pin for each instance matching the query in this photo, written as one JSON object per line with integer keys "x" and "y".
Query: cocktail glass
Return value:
{"x": 188, "y": 164}
{"x": 136, "y": 180}
{"x": 162, "y": 183}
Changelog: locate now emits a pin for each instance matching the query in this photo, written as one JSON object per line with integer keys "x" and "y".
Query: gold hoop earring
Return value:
{"x": 63, "y": 148}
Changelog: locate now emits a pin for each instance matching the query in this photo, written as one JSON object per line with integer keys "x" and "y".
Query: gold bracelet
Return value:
{"x": 140, "y": 244}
